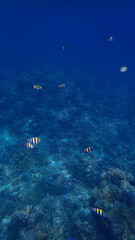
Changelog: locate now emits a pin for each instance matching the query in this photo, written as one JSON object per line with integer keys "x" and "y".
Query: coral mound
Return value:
{"x": 115, "y": 194}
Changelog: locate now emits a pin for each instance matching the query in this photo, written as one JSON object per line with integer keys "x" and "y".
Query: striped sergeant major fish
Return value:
{"x": 98, "y": 211}
{"x": 89, "y": 149}
{"x": 29, "y": 145}
{"x": 34, "y": 140}
{"x": 62, "y": 85}
{"x": 123, "y": 69}
{"x": 38, "y": 87}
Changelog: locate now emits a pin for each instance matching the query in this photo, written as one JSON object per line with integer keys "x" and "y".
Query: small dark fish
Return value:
{"x": 89, "y": 149}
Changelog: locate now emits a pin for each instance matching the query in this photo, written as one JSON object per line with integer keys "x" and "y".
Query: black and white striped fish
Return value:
{"x": 29, "y": 145}
{"x": 88, "y": 149}
{"x": 98, "y": 211}
{"x": 34, "y": 140}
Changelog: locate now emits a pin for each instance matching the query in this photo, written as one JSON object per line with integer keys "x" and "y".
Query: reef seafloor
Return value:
{"x": 48, "y": 192}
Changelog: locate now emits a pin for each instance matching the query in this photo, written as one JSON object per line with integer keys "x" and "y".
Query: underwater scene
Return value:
{"x": 67, "y": 120}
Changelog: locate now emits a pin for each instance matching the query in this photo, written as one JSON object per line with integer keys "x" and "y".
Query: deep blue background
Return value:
{"x": 31, "y": 35}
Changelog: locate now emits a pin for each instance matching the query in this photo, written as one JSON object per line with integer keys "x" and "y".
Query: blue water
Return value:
{"x": 47, "y": 191}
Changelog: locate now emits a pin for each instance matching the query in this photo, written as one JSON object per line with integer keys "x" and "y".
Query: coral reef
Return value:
{"x": 46, "y": 192}
{"x": 115, "y": 194}
{"x": 22, "y": 221}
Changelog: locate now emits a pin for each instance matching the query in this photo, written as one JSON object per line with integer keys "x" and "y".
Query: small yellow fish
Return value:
{"x": 110, "y": 39}
{"x": 29, "y": 145}
{"x": 38, "y": 87}
{"x": 62, "y": 85}
{"x": 89, "y": 149}
{"x": 34, "y": 140}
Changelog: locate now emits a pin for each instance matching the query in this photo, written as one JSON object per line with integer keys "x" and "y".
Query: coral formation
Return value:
{"x": 115, "y": 194}
{"x": 46, "y": 192}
